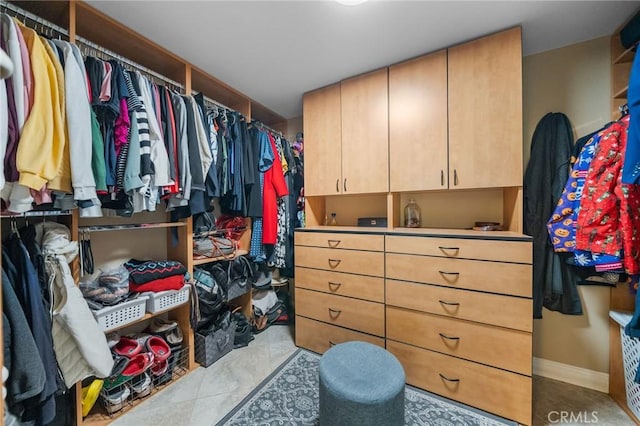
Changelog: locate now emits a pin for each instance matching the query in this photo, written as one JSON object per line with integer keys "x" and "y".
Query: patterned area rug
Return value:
{"x": 289, "y": 396}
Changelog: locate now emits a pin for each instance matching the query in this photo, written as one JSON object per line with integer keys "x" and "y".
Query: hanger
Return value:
{"x": 624, "y": 110}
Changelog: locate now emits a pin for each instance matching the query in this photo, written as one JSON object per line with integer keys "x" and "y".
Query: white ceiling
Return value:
{"x": 274, "y": 51}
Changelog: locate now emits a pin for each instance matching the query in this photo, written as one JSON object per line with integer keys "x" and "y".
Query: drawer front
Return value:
{"x": 319, "y": 337}
{"x": 352, "y": 261}
{"x": 342, "y": 311}
{"x": 339, "y": 240}
{"x": 501, "y": 251}
{"x": 503, "y": 393}
{"x": 350, "y": 285}
{"x": 499, "y": 347}
{"x": 506, "y": 278}
{"x": 495, "y": 309}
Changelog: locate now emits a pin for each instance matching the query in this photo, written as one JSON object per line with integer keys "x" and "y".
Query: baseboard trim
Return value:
{"x": 571, "y": 374}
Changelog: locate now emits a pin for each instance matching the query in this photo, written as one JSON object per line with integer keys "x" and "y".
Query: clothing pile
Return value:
{"x": 598, "y": 215}
{"x": 51, "y": 339}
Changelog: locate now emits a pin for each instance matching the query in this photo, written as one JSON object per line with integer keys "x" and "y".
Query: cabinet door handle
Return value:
{"x": 444, "y": 302}
{"x": 336, "y": 261}
{"x": 441, "y": 177}
{"x": 337, "y": 185}
{"x": 345, "y": 184}
{"x": 333, "y": 243}
{"x": 333, "y": 313}
{"x": 443, "y": 377}
{"x": 334, "y": 286}
{"x": 455, "y": 177}
{"x": 444, "y": 336}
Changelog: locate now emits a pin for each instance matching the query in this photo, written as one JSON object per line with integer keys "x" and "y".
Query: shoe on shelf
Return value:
{"x": 114, "y": 401}
{"x": 141, "y": 385}
{"x": 138, "y": 364}
{"x": 127, "y": 347}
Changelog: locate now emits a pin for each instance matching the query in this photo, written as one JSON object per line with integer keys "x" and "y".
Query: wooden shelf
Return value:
{"x": 206, "y": 260}
{"x": 621, "y": 94}
{"x": 625, "y": 57}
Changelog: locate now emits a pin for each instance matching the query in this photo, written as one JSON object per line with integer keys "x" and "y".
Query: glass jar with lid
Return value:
{"x": 412, "y": 217}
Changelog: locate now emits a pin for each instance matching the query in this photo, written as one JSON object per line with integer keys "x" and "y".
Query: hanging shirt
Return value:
{"x": 608, "y": 220}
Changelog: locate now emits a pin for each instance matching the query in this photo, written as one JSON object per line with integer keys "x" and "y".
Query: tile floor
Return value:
{"x": 204, "y": 396}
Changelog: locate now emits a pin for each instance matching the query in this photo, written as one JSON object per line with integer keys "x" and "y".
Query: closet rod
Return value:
{"x": 103, "y": 228}
{"x": 261, "y": 124}
{"x": 83, "y": 41}
{"x": 216, "y": 103}
{"x": 20, "y": 12}
{"x": 37, "y": 213}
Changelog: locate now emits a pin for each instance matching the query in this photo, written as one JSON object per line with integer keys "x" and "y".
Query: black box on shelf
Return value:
{"x": 380, "y": 222}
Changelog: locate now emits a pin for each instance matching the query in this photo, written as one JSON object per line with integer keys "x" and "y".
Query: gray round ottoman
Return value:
{"x": 361, "y": 384}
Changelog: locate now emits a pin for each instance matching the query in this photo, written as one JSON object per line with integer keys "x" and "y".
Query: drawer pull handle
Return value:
{"x": 448, "y": 379}
{"x": 449, "y": 273}
{"x": 333, "y": 243}
{"x": 334, "y": 286}
{"x": 333, "y": 313}
{"x": 444, "y": 336}
{"x": 332, "y": 261}
{"x": 444, "y": 302}
{"x": 443, "y": 248}
{"x": 331, "y": 343}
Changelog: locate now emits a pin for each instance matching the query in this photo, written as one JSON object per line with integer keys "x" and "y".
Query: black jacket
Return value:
{"x": 554, "y": 281}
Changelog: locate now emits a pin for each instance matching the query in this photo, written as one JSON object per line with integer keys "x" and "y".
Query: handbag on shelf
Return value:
{"x": 214, "y": 246}
{"x": 233, "y": 226}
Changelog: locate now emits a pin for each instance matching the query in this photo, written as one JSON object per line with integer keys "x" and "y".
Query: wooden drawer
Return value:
{"x": 353, "y": 261}
{"x": 501, "y": 251}
{"x": 340, "y": 240}
{"x": 506, "y": 278}
{"x": 359, "y": 286}
{"x": 497, "y": 391}
{"x": 496, "y": 346}
{"x": 496, "y": 309}
{"x": 346, "y": 312}
{"x": 319, "y": 337}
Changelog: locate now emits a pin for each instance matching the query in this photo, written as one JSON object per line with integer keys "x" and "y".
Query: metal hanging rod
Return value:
{"x": 18, "y": 12}
{"x": 81, "y": 41}
{"x": 38, "y": 213}
{"x": 260, "y": 124}
{"x": 102, "y": 228}
{"x": 208, "y": 100}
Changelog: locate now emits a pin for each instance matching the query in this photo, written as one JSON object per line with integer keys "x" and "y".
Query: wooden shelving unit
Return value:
{"x": 82, "y": 20}
{"x": 620, "y": 298}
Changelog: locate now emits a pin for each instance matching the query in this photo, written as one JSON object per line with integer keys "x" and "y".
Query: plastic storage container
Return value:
{"x": 121, "y": 314}
{"x": 163, "y": 300}
{"x": 412, "y": 216}
{"x": 630, "y": 361}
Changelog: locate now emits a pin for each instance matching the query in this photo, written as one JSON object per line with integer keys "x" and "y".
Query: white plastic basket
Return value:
{"x": 163, "y": 300}
{"x": 630, "y": 361}
{"x": 121, "y": 314}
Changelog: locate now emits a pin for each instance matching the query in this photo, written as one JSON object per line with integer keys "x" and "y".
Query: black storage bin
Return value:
{"x": 214, "y": 345}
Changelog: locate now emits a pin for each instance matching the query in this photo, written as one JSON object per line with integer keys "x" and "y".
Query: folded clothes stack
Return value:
{"x": 155, "y": 275}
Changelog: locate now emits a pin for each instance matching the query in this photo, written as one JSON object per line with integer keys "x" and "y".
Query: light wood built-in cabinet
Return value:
{"x": 448, "y": 120}
{"x": 485, "y": 112}
{"x": 365, "y": 133}
{"x": 323, "y": 141}
{"x": 454, "y": 306}
{"x": 418, "y": 152}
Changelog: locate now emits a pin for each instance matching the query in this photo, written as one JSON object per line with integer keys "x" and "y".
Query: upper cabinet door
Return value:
{"x": 485, "y": 112}
{"x": 322, "y": 141}
{"x": 418, "y": 124}
{"x": 365, "y": 134}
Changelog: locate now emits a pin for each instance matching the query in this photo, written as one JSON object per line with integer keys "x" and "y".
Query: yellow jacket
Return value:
{"x": 41, "y": 144}
{"x": 62, "y": 181}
